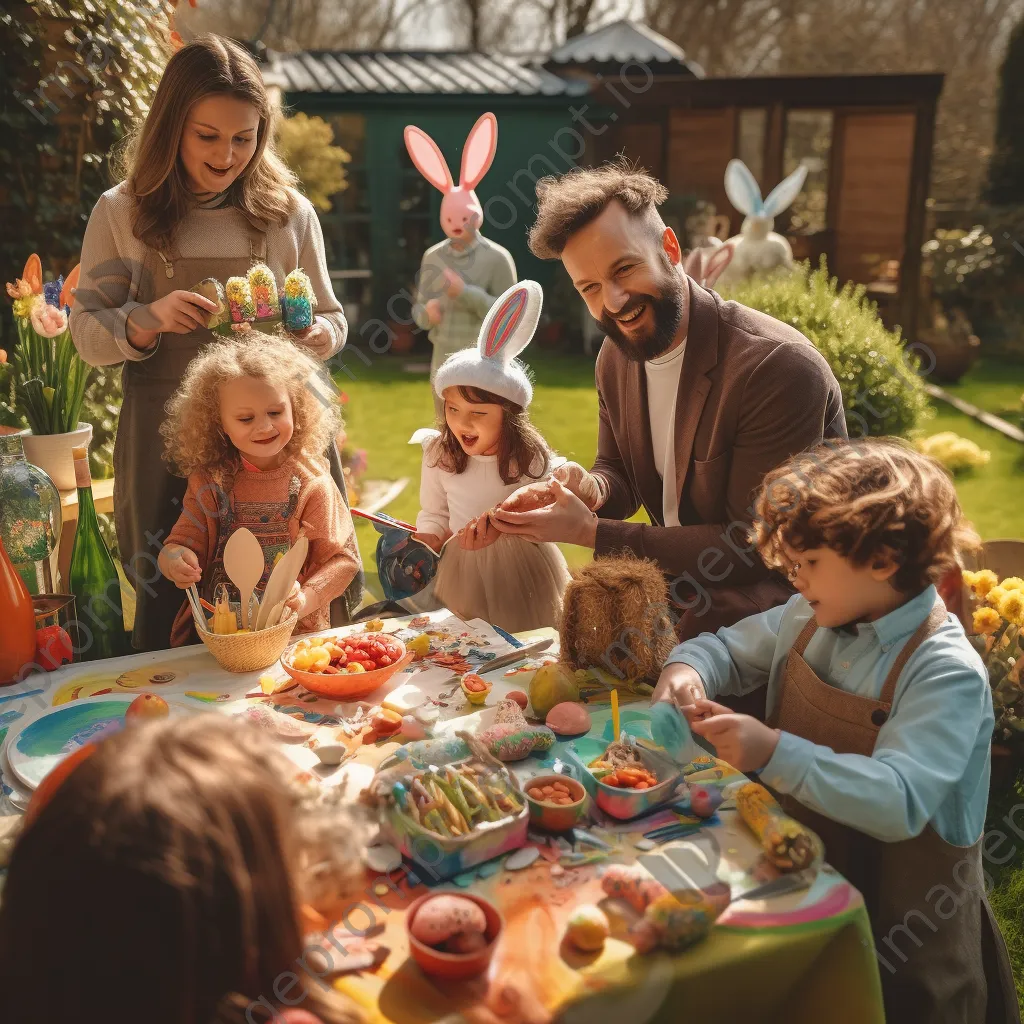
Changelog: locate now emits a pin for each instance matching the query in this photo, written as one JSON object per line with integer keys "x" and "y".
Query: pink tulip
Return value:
{"x": 48, "y": 320}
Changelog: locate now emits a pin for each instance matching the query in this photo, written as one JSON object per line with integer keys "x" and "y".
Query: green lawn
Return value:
{"x": 387, "y": 405}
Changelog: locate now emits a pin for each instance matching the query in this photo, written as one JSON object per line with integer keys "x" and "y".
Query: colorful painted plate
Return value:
{"x": 40, "y": 745}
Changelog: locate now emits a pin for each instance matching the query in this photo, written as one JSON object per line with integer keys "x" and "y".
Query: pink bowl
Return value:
{"x": 344, "y": 686}
{"x": 454, "y": 966}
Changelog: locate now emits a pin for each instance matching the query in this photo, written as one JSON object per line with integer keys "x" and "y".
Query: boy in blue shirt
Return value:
{"x": 879, "y": 713}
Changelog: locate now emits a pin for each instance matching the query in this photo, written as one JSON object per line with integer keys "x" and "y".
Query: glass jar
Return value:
{"x": 30, "y": 515}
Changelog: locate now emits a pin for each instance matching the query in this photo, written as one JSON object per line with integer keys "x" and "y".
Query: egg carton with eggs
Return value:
{"x": 252, "y": 302}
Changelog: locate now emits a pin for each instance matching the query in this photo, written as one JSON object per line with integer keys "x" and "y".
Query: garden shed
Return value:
{"x": 866, "y": 140}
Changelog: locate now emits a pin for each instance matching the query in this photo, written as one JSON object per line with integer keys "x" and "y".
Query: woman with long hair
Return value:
{"x": 204, "y": 195}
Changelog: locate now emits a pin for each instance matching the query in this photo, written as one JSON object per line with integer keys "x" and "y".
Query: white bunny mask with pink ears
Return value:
{"x": 492, "y": 366}
{"x": 461, "y": 211}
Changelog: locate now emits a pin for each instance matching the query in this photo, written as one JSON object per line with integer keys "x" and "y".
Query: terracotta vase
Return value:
{"x": 17, "y": 622}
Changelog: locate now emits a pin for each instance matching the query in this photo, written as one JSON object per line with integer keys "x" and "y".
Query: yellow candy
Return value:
{"x": 302, "y": 660}
{"x": 354, "y": 668}
{"x": 588, "y": 928}
{"x": 421, "y": 645}
{"x": 321, "y": 658}
{"x": 373, "y": 626}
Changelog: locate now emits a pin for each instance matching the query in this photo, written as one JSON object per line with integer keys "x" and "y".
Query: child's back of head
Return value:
{"x": 159, "y": 884}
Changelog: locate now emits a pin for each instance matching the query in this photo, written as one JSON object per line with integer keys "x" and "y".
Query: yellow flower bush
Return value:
{"x": 954, "y": 452}
{"x": 986, "y": 621}
{"x": 995, "y": 596}
{"x": 1011, "y": 607}
{"x": 980, "y": 582}
{"x": 1012, "y": 583}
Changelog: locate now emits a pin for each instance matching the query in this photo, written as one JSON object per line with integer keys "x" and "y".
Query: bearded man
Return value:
{"x": 698, "y": 399}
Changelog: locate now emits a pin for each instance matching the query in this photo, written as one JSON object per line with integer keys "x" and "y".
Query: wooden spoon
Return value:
{"x": 282, "y": 579}
{"x": 244, "y": 564}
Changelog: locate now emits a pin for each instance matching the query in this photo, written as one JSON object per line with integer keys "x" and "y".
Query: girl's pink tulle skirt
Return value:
{"x": 511, "y": 583}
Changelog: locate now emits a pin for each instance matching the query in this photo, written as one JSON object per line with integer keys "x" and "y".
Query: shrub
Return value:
{"x": 882, "y": 392}
{"x": 305, "y": 146}
{"x": 956, "y": 453}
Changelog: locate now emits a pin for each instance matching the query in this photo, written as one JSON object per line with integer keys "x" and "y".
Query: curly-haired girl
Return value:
{"x": 879, "y": 712}
{"x": 180, "y": 866}
{"x": 248, "y": 427}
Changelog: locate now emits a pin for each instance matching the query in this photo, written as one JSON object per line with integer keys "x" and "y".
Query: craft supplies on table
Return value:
{"x": 782, "y": 942}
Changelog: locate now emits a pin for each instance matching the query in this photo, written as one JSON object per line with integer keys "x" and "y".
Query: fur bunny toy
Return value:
{"x": 758, "y": 248}
{"x": 460, "y": 277}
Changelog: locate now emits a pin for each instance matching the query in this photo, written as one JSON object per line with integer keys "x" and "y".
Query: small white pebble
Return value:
{"x": 645, "y": 844}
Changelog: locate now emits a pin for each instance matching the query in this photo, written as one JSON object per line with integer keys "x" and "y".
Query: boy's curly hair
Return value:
{"x": 193, "y": 437}
{"x": 865, "y": 499}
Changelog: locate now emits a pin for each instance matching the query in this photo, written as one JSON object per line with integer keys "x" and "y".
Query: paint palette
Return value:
{"x": 40, "y": 745}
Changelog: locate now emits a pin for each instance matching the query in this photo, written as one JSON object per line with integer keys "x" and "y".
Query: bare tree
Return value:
{"x": 963, "y": 40}
{"x": 303, "y": 24}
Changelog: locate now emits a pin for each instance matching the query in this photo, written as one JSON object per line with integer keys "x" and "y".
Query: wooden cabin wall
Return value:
{"x": 873, "y": 152}
{"x": 700, "y": 144}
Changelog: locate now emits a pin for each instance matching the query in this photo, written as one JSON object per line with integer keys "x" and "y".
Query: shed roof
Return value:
{"x": 424, "y": 72}
{"x": 622, "y": 42}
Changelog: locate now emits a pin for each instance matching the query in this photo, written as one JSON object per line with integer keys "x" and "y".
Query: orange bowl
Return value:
{"x": 345, "y": 686}
{"x": 556, "y": 817}
{"x": 454, "y": 966}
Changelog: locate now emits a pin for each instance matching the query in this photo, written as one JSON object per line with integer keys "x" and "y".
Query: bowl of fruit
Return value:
{"x": 345, "y": 667}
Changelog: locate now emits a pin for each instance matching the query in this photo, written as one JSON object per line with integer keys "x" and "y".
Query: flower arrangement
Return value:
{"x": 997, "y": 621}
{"x": 49, "y": 375}
{"x": 956, "y": 453}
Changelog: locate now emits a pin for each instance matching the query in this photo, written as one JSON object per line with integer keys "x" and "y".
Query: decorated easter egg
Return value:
{"x": 587, "y": 928}
{"x": 519, "y": 697}
{"x": 568, "y": 719}
{"x": 705, "y": 800}
{"x": 147, "y": 705}
{"x": 553, "y": 684}
{"x": 445, "y": 915}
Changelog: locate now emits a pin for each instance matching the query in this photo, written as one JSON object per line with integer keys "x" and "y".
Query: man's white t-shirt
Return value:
{"x": 662, "y": 389}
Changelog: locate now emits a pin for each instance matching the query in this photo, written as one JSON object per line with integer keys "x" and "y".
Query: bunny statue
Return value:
{"x": 707, "y": 263}
{"x": 461, "y": 277}
{"x": 758, "y": 248}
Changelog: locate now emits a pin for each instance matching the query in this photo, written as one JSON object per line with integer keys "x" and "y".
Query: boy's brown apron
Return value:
{"x": 147, "y": 498}
{"x": 939, "y": 964}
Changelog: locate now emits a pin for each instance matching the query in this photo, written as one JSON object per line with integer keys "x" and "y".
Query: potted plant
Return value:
{"x": 49, "y": 374}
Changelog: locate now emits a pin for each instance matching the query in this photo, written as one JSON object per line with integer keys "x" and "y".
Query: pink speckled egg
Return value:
{"x": 568, "y": 719}
{"x": 444, "y": 916}
{"x": 519, "y": 697}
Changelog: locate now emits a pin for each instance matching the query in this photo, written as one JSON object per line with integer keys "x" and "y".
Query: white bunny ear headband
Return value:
{"x": 492, "y": 366}
{"x": 745, "y": 194}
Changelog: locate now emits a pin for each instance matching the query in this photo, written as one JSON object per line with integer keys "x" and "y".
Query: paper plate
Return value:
{"x": 41, "y": 744}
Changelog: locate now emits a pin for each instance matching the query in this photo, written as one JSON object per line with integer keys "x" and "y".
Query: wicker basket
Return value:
{"x": 250, "y": 652}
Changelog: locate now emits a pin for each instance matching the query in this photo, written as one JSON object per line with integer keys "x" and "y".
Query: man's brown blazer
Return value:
{"x": 753, "y": 391}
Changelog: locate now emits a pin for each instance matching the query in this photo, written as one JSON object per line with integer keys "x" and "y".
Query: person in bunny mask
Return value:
{"x": 486, "y": 450}
{"x": 460, "y": 277}
{"x": 698, "y": 399}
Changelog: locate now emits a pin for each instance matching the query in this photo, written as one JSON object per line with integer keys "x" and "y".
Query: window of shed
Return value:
{"x": 750, "y": 144}
{"x": 808, "y": 142}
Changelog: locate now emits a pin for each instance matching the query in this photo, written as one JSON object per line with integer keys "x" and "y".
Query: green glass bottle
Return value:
{"x": 99, "y": 631}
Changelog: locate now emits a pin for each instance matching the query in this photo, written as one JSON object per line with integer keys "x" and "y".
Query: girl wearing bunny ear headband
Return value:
{"x": 486, "y": 450}
{"x": 460, "y": 277}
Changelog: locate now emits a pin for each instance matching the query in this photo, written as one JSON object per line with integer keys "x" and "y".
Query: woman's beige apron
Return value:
{"x": 935, "y": 970}
{"x": 147, "y": 498}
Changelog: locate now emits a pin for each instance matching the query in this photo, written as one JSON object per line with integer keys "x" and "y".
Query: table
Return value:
{"x": 103, "y": 499}
{"x": 802, "y": 957}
